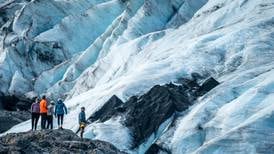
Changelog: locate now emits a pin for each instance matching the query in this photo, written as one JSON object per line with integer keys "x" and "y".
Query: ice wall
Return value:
{"x": 143, "y": 43}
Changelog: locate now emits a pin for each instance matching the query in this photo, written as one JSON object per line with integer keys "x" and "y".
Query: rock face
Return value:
{"x": 144, "y": 114}
{"x": 56, "y": 141}
{"x": 14, "y": 103}
{"x": 11, "y": 118}
{"x": 108, "y": 110}
{"x": 13, "y": 110}
{"x": 208, "y": 84}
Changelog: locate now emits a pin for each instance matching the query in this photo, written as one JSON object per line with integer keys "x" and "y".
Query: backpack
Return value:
{"x": 50, "y": 110}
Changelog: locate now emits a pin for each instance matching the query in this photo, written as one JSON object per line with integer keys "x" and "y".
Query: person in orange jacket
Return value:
{"x": 43, "y": 112}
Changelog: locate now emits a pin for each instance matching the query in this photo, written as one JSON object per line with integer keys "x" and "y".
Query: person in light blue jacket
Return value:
{"x": 60, "y": 110}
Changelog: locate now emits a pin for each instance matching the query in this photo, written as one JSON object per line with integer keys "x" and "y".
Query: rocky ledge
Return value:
{"x": 11, "y": 118}
{"x": 53, "y": 141}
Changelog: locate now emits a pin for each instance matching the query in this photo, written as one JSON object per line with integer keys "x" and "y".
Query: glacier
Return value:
{"x": 86, "y": 51}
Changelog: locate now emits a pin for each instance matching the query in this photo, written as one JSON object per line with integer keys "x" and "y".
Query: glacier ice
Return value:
{"x": 108, "y": 47}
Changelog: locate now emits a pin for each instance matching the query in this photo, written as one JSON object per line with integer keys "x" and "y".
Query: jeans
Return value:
{"x": 60, "y": 119}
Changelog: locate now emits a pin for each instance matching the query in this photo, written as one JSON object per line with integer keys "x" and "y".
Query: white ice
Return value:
{"x": 229, "y": 40}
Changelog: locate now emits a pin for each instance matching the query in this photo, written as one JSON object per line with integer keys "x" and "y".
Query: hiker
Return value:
{"x": 35, "y": 114}
{"x": 82, "y": 122}
{"x": 50, "y": 115}
{"x": 43, "y": 112}
{"x": 60, "y": 110}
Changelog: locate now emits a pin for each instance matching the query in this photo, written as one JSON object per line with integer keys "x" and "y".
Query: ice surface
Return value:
{"x": 19, "y": 84}
{"x": 110, "y": 131}
{"x": 77, "y": 32}
{"x": 125, "y": 49}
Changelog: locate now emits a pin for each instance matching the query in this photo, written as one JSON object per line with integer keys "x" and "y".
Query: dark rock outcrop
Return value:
{"x": 15, "y": 103}
{"x": 56, "y": 141}
{"x": 154, "y": 149}
{"x": 143, "y": 115}
{"x": 108, "y": 110}
{"x": 207, "y": 85}
{"x": 11, "y": 118}
{"x": 196, "y": 90}
{"x": 13, "y": 110}
{"x": 1, "y": 101}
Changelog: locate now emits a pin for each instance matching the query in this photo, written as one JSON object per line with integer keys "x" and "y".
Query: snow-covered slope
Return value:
{"x": 125, "y": 47}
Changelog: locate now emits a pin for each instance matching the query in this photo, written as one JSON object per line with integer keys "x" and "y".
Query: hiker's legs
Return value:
{"x": 82, "y": 131}
{"x": 37, "y": 115}
{"x": 51, "y": 126}
{"x": 32, "y": 120}
{"x": 62, "y": 119}
{"x": 50, "y": 122}
{"x": 46, "y": 120}
{"x": 58, "y": 119}
{"x": 43, "y": 120}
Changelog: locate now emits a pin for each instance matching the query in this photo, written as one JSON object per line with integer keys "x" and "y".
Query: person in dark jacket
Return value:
{"x": 50, "y": 115}
{"x": 35, "y": 114}
{"x": 82, "y": 121}
{"x": 60, "y": 110}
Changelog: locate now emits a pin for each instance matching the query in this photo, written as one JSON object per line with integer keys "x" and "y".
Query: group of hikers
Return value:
{"x": 48, "y": 111}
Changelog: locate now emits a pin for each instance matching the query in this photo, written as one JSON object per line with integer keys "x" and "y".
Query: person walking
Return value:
{"x": 82, "y": 122}
{"x": 50, "y": 115}
{"x": 60, "y": 110}
{"x": 43, "y": 112}
{"x": 35, "y": 114}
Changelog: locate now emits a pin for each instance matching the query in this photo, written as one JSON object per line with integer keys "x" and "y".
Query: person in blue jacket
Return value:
{"x": 60, "y": 110}
{"x": 82, "y": 122}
